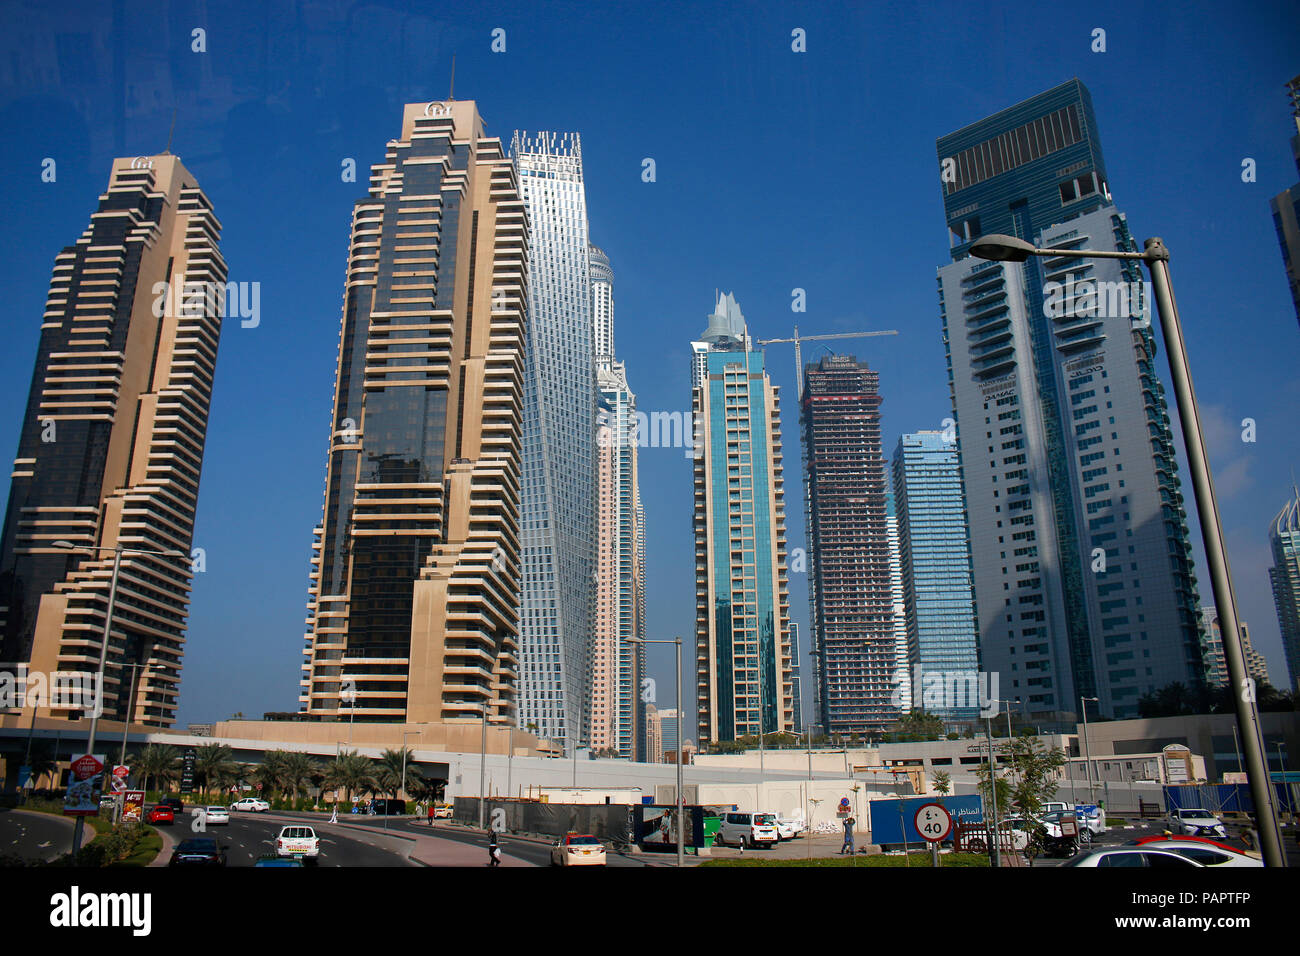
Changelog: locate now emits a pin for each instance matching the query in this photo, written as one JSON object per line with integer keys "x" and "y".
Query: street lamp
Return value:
{"x": 1003, "y": 248}
{"x": 681, "y": 828}
{"x": 994, "y": 830}
{"x": 118, "y": 551}
{"x": 126, "y": 721}
{"x": 1087, "y": 753}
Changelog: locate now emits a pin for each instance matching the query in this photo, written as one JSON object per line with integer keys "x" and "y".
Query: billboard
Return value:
{"x": 82, "y": 798}
{"x": 133, "y": 805}
{"x": 892, "y": 818}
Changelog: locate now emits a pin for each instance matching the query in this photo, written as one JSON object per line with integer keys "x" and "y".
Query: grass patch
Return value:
{"x": 148, "y": 847}
{"x": 878, "y": 860}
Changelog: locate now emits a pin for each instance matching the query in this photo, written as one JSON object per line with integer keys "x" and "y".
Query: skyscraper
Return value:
{"x": 796, "y": 678}
{"x": 414, "y": 595}
{"x": 618, "y": 667}
{"x": 1284, "y": 541}
{"x": 1083, "y": 575}
{"x": 111, "y": 446}
{"x": 742, "y": 612}
{"x": 559, "y": 475}
{"x": 1286, "y": 207}
{"x": 850, "y": 590}
{"x": 1216, "y": 667}
{"x": 938, "y": 598}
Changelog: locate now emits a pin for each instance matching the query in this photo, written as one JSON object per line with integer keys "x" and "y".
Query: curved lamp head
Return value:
{"x": 999, "y": 248}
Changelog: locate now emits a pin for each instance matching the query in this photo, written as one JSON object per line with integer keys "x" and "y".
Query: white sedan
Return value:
{"x": 575, "y": 849}
{"x": 1196, "y": 822}
{"x": 213, "y": 816}
{"x": 1135, "y": 857}
{"x": 251, "y": 805}
{"x": 1203, "y": 851}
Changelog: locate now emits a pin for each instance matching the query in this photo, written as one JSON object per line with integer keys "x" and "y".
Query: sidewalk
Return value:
{"x": 428, "y": 849}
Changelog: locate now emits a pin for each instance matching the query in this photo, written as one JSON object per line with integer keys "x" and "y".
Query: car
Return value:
{"x": 201, "y": 851}
{"x": 272, "y": 860}
{"x": 1091, "y": 817}
{"x": 251, "y": 805}
{"x": 1052, "y": 806}
{"x": 177, "y": 805}
{"x": 159, "y": 814}
{"x": 578, "y": 849}
{"x": 1135, "y": 857}
{"x": 214, "y": 816}
{"x": 297, "y": 840}
{"x": 747, "y": 830}
{"x": 787, "y": 828}
{"x": 443, "y": 811}
{"x": 1195, "y": 821}
{"x": 1203, "y": 851}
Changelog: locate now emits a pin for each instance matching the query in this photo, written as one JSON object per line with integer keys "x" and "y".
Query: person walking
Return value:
{"x": 432, "y": 814}
{"x": 848, "y": 836}
{"x": 334, "y": 817}
{"x": 494, "y": 851}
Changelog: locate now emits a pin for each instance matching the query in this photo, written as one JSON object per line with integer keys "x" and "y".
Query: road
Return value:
{"x": 34, "y": 836}
{"x": 529, "y": 851}
{"x": 251, "y": 835}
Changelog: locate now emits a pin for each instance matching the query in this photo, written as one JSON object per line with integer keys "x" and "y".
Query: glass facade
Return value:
{"x": 1284, "y": 576}
{"x": 742, "y": 630}
{"x": 1082, "y": 568}
{"x": 559, "y": 432}
{"x": 938, "y": 596}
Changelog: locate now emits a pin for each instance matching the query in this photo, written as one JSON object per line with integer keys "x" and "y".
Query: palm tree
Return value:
{"x": 159, "y": 763}
{"x": 297, "y": 771}
{"x": 350, "y": 773}
{"x": 213, "y": 766}
{"x": 270, "y": 772}
{"x": 41, "y": 761}
{"x": 388, "y": 772}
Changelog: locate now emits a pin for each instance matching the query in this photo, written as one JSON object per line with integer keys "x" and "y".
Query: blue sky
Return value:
{"x": 775, "y": 170}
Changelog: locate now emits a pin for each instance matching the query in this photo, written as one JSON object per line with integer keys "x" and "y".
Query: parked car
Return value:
{"x": 200, "y": 851}
{"x": 443, "y": 811}
{"x": 1195, "y": 821}
{"x": 1204, "y": 851}
{"x": 1134, "y": 857}
{"x": 215, "y": 816}
{"x": 159, "y": 814}
{"x": 747, "y": 830}
{"x": 251, "y": 805}
{"x": 786, "y": 829}
{"x": 578, "y": 849}
{"x": 387, "y": 806}
{"x": 1091, "y": 817}
{"x": 296, "y": 840}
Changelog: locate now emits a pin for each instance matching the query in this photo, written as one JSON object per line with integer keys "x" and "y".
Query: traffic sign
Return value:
{"x": 933, "y": 822}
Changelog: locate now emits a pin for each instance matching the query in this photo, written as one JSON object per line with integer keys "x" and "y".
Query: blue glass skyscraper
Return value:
{"x": 934, "y": 546}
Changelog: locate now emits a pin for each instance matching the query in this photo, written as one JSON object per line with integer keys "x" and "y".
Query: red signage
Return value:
{"x": 82, "y": 798}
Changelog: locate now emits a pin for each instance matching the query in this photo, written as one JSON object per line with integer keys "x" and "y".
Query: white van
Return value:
{"x": 747, "y": 830}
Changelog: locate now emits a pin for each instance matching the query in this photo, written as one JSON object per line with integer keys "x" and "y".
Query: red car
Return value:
{"x": 159, "y": 814}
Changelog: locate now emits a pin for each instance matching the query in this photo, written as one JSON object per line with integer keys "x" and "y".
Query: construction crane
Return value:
{"x": 798, "y": 351}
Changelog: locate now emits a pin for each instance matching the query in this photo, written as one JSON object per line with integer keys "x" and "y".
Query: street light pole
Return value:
{"x": 1087, "y": 753}
{"x": 1156, "y": 256}
{"x": 482, "y": 773}
{"x": 994, "y": 830}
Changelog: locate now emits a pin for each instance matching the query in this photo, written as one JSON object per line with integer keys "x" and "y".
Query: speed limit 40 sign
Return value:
{"x": 933, "y": 822}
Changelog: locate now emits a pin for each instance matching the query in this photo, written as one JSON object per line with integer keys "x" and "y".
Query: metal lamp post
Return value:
{"x": 103, "y": 644}
{"x": 994, "y": 831}
{"x": 681, "y": 826}
{"x": 1087, "y": 750}
{"x": 1003, "y": 248}
{"x": 126, "y": 723}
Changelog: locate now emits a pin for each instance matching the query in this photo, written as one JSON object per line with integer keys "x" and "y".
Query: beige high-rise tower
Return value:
{"x": 414, "y": 597}
{"x": 112, "y": 445}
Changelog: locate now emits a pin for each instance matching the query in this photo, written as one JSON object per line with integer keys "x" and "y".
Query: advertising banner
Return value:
{"x": 133, "y": 805}
{"x": 82, "y": 799}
